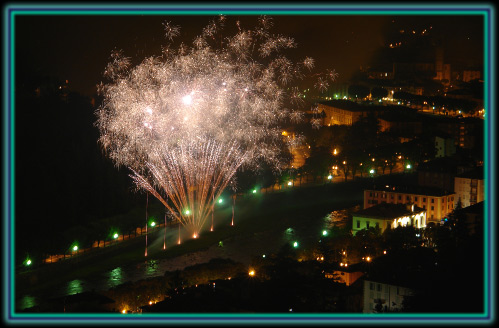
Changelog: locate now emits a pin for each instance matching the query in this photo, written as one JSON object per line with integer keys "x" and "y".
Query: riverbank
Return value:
{"x": 262, "y": 214}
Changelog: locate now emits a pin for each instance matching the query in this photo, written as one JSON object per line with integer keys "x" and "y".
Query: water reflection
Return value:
{"x": 151, "y": 268}
{"x": 339, "y": 218}
{"x": 74, "y": 286}
{"x": 115, "y": 277}
{"x": 27, "y": 302}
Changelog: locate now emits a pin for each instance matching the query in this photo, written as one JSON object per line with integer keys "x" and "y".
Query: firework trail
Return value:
{"x": 184, "y": 122}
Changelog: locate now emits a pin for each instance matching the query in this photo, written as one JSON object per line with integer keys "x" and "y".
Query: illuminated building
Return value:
{"x": 437, "y": 203}
{"x": 469, "y": 187}
{"x": 384, "y": 215}
{"x": 344, "y": 112}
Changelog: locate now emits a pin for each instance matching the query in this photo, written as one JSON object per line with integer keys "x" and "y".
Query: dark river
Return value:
{"x": 239, "y": 248}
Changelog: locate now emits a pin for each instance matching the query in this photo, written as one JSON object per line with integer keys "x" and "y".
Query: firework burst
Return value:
{"x": 185, "y": 121}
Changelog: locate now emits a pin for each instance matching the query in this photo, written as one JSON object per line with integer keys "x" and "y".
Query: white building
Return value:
{"x": 469, "y": 187}
{"x": 386, "y": 215}
{"x": 390, "y": 297}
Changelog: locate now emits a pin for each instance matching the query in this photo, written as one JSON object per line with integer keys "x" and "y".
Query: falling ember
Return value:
{"x": 179, "y": 234}
{"x": 185, "y": 121}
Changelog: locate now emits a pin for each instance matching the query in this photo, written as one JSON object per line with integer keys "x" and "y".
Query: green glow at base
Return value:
{"x": 28, "y": 262}
{"x": 295, "y": 244}
{"x": 220, "y": 201}
{"x": 254, "y": 191}
{"x": 324, "y": 232}
{"x": 153, "y": 224}
{"x": 75, "y": 248}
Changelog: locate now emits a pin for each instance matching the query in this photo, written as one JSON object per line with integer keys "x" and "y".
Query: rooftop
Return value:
{"x": 387, "y": 211}
{"x": 476, "y": 173}
{"x": 414, "y": 190}
{"x": 473, "y": 209}
{"x": 445, "y": 164}
{"x": 352, "y": 106}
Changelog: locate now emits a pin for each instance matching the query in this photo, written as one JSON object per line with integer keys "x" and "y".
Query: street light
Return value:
{"x": 329, "y": 177}
{"x": 220, "y": 201}
{"x": 295, "y": 244}
{"x": 115, "y": 236}
{"x": 324, "y": 232}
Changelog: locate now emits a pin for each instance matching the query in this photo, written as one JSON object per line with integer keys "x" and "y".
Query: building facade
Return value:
{"x": 469, "y": 187}
{"x": 444, "y": 146}
{"x": 389, "y": 297}
{"x": 437, "y": 203}
{"x": 344, "y": 112}
{"x": 384, "y": 216}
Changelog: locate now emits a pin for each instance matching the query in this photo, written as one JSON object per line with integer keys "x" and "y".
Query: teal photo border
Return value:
{"x": 11, "y": 11}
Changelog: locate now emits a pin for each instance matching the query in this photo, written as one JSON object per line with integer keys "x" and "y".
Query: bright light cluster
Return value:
{"x": 185, "y": 121}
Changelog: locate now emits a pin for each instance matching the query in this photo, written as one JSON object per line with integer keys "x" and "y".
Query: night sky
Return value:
{"x": 62, "y": 143}
{"x": 77, "y": 48}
